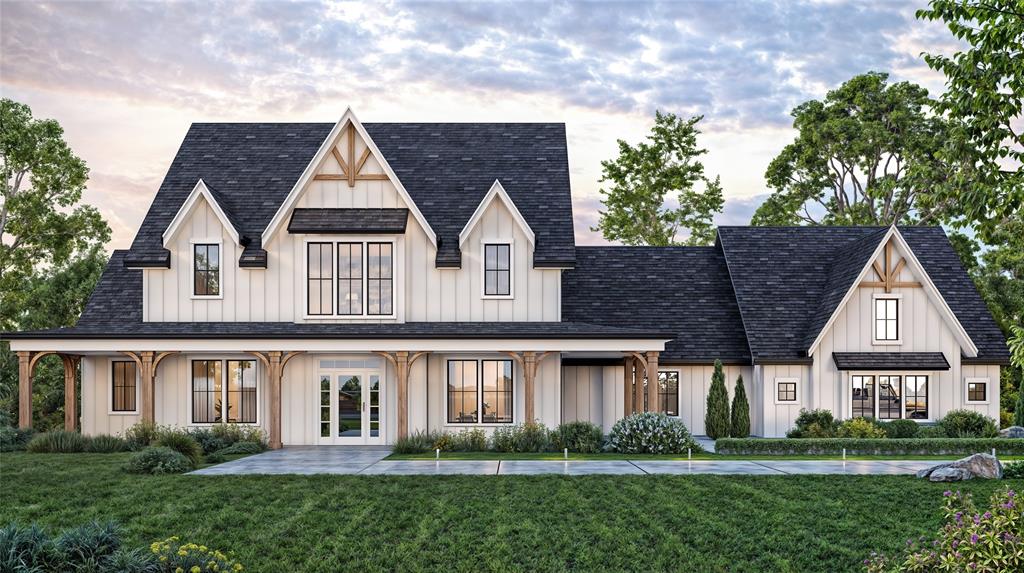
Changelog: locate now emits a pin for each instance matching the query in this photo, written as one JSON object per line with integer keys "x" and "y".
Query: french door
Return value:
{"x": 350, "y": 406}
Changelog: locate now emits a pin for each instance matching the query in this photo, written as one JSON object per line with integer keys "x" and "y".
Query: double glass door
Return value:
{"x": 350, "y": 403}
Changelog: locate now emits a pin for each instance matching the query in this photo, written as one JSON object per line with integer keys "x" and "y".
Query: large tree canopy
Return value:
{"x": 643, "y": 176}
{"x": 985, "y": 97}
{"x": 865, "y": 155}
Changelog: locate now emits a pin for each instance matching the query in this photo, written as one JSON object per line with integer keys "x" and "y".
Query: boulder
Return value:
{"x": 1012, "y": 432}
{"x": 979, "y": 465}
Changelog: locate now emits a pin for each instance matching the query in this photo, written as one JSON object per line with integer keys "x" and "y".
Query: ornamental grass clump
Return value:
{"x": 58, "y": 442}
{"x": 182, "y": 443}
{"x": 107, "y": 444}
{"x": 528, "y": 437}
{"x": 141, "y": 435}
{"x": 417, "y": 442}
{"x": 90, "y": 548}
{"x": 473, "y": 440}
{"x": 970, "y": 540}
{"x": 650, "y": 433}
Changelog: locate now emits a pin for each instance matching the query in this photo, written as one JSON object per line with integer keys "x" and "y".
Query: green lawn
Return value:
{"x": 492, "y": 523}
{"x": 696, "y": 456}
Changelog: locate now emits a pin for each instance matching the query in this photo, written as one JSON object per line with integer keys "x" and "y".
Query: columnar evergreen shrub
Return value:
{"x": 582, "y": 437}
{"x": 1018, "y": 409}
{"x": 968, "y": 424}
{"x": 58, "y": 442}
{"x": 650, "y": 433}
{"x": 740, "y": 411}
{"x": 716, "y": 418}
{"x": 158, "y": 460}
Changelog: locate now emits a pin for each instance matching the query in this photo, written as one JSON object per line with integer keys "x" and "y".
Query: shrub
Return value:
{"x": 650, "y": 433}
{"x": 158, "y": 460}
{"x": 855, "y": 446}
{"x": 968, "y": 539}
{"x": 898, "y": 429}
{"x": 107, "y": 444}
{"x": 58, "y": 442}
{"x": 860, "y": 428}
{"x": 528, "y": 437}
{"x": 233, "y": 433}
{"x": 1018, "y": 409}
{"x": 141, "y": 435}
{"x": 716, "y": 418}
{"x": 415, "y": 443}
{"x": 14, "y": 439}
{"x": 215, "y": 458}
{"x": 1013, "y": 470}
{"x": 968, "y": 424}
{"x": 582, "y": 437}
{"x": 90, "y": 548}
{"x": 474, "y": 440}
{"x": 238, "y": 448}
{"x": 740, "y": 427}
{"x": 814, "y": 424}
{"x": 931, "y": 432}
{"x": 176, "y": 556}
{"x": 207, "y": 440}
{"x": 181, "y": 442}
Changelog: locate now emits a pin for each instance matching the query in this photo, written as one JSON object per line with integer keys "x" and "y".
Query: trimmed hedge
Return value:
{"x": 864, "y": 446}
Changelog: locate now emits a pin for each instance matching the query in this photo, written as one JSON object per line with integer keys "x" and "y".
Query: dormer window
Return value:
{"x": 206, "y": 270}
{"x": 497, "y": 270}
{"x": 887, "y": 320}
{"x": 348, "y": 279}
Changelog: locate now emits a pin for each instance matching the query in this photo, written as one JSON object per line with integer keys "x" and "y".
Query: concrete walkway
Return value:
{"x": 370, "y": 461}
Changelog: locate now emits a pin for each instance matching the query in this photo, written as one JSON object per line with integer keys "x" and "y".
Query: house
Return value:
{"x": 351, "y": 283}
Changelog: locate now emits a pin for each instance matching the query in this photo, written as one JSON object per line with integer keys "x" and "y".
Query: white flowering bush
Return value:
{"x": 650, "y": 433}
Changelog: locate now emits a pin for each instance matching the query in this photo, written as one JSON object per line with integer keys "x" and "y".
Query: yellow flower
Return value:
{"x": 179, "y": 570}
{"x": 195, "y": 569}
{"x": 238, "y": 566}
{"x": 182, "y": 552}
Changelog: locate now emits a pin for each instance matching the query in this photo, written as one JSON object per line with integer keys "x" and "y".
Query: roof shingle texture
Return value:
{"x": 890, "y": 360}
{"x": 391, "y": 221}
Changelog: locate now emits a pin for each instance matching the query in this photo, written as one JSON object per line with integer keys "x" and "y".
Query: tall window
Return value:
{"x": 350, "y": 278}
{"x": 497, "y": 270}
{"x": 207, "y": 401}
{"x": 122, "y": 386}
{"x": 890, "y": 399}
{"x": 497, "y": 391}
{"x": 241, "y": 390}
{"x": 206, "y": 265}
{"x": 863, "y": 396}
{"x": 319, "y": 270}
{"x": 887, "y": 319}
{"x": 379, "y": 282}
{"x": 668, "y": 392}
{"x": 977, "y": 390}
{"x": 917, "y": 397}
{"x": 462, "y": 396}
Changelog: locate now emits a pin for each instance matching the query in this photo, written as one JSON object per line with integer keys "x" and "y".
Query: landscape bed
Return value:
{"x": 471, "y": 523}
{"x": 869, "y": 446}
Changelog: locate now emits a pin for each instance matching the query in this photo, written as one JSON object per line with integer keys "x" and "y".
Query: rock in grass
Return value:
{"x": 979, "y": 465}
{"x": 1012, "y": 432}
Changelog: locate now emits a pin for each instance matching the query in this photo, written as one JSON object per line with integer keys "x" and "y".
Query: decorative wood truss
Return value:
{"x": 352, "y": 168}
{"x": 888, "y": 273}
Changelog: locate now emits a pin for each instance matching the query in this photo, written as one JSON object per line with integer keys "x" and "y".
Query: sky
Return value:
{"x": 126, "y": 80}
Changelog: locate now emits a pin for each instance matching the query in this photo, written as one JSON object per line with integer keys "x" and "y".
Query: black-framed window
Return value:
{"x": 241, "y": 390}
{"x": 350, "y": 278}
{"x": 785, "y": 391}
{"x": 379, "y": 279}
{"x": 462, "y": 392}
{"x": 863, "y": 396}
{"x": 123, "y": 386}
{"x": 319, "y": 278}
{"x": 890, "y": 398}
{"x": 496, "y": 391}
{"x": 887, "y": 326}
{"x": 977, "y": 391}
{"x": 917, "y": 397}
{"x": 498, "y": 269}
{"x": 206, "y": 268}
{"x": 668, "y": 392}
{"x": 207, "y": 398}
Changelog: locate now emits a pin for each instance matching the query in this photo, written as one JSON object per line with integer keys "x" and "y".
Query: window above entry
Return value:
{"x": 887, "y": 319}
{"x": 497, "y": 270}
{"x": 350, "y": 279}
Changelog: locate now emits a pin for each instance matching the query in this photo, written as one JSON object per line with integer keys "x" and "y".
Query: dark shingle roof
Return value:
{"x": 446, "y": 168}
{"x": 890, "y": 360}
{"x": 684, "y": 290}
{"x": 348, "y": 221}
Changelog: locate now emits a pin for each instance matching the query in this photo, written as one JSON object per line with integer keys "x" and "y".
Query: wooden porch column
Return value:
{"x": 529, "y": 361}
{"x": 274, "y": 361}
{"x": 639, "y": 366}
{"x": 627, "y": 386}
{"x": 24, "y": 389}
{"x": 148, "y": 381}
{"x": 403, "y": 364}
{"x": 70, "y": 398}
{"x": 652, "y": 382}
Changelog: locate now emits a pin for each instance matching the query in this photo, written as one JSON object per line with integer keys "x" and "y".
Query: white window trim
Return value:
{"x": 110, "y": 389}
{"x": 334, "y": 240}
{"x": 930, "y": 375}
{"x": 479, "y": 392}
{"x": 192, "y": 268}
{"x": 975, "y": 380}
{"x": 679, "y": 390}
{"x": 223, "y": 387}
{"x": 899, "y": 319}
{"x": 511, "y": 269}
{"x": 775, "y": 391}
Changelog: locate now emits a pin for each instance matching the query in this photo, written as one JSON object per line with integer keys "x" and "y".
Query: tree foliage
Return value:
{"x": 740, "y": 411}
{"x": 716, "y": 418}
{"x": 985, "y": 97}
{"x": 666, "y": 165}
{"x": 865, "y": 155}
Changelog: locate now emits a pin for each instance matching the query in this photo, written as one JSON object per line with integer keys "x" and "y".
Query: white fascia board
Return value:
{"x": 310, "y": 171}
{"x": 968, "y": 346}
{"x": 200, "y": 190}
{"x": 496, "y": 191}
{"x": 108, "y": 345}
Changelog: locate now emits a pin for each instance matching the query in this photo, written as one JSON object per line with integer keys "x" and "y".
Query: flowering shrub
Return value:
{"x": 191, "y": 558}
{"x": 650, "y": 433}
{"x": 990, "y": 541}
{"x": 157, "y": 460}
{"x": 860, "y": 428}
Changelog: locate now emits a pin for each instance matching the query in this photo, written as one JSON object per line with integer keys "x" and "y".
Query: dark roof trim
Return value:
{"x": 704, "y": 362}
{"x": 782, "y": 361}
{"x": 253, "y": 259}
{"x": 592, "y": 361}
{"x": 349, "y": 221}
{"x": 890, "y": 360}
{"x": 984, "y": 361}
{"x": 148, "y": 260}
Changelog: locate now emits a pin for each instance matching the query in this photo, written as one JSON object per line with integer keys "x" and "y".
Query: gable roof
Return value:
{"x": 446, "y": 168}
{"x": 226, "y": 217}
{"x": 683, "y": 290}
{"x": 496, "y": 192}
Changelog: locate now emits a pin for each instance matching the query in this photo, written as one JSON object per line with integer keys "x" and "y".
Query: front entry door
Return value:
{"x": 350, "y": 407}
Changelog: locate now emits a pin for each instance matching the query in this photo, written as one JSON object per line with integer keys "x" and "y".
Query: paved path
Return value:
{"x": 370, "y": 461}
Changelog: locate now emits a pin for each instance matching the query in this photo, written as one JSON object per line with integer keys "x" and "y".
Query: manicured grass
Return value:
{"x": 489, "y": 523}
{"x": 696, "y": 456}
